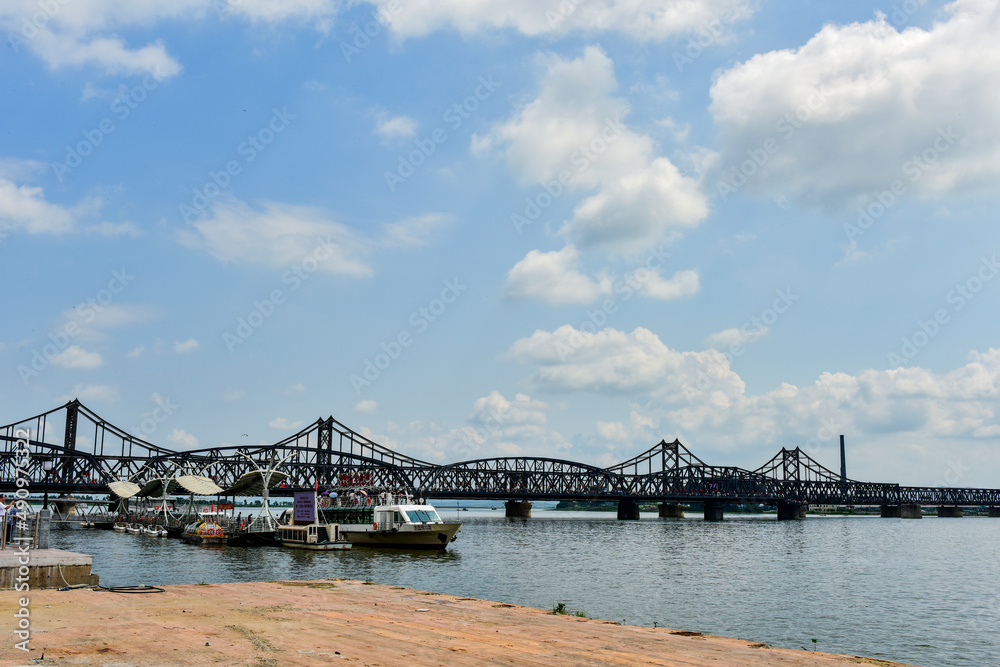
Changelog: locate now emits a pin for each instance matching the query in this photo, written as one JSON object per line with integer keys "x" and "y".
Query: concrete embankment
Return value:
{"x": 318, "y": 622}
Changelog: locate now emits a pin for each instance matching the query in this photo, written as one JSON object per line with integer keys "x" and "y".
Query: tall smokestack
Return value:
{"x": 843, "y": 462}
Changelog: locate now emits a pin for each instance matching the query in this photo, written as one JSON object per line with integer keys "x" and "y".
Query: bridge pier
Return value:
{"x": 671, "y": 511}
{"x": 791, "y": 511}
{"x": 950, "y": 512}
{"x": 994, "y": 512}
{"x": 891, "y": 511}
{"x": 713, "y": 510}
{"x": 518, "y": 509}
{"x": 910, "y": 511}
{"x": 628, "y": 510}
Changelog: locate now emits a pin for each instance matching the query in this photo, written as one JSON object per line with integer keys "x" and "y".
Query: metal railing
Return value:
{"x": 20, "y": 531}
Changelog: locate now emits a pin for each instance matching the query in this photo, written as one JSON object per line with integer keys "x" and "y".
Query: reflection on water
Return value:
{"x": 916, "y": 591}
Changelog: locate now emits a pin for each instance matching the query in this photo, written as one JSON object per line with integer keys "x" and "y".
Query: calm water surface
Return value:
{"x": 923, "y": 592}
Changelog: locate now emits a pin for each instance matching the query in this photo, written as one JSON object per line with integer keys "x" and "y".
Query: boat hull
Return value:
{"x": 322, "y": 546}
{"x": 193, "y": 538}
{"x": 436, "y": 536}
{"x": 263, "y": 539}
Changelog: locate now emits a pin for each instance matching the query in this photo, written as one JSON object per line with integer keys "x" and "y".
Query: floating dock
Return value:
{"x": 328, "y": 621}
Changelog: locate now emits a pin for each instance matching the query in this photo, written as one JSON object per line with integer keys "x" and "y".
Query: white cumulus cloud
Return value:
{"x": 283, "y": 424}
{"x": 76, "y": 357}
{"x": 88, "y": 32}
{"x": 185, "y": 346}
{"x": 182, "y": 438}
{"x": 862, "y": 105}
{"x": 395, "y": 128}
{"x": 572, "y": 138}
{"x": 639, "y": 19}
{"x": 554, "y": 277}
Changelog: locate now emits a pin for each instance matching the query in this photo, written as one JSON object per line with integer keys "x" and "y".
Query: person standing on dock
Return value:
{"x": 6, "y": 525}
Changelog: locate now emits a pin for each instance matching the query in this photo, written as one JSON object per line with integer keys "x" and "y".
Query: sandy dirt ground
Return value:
{"x": 352, "y": 622}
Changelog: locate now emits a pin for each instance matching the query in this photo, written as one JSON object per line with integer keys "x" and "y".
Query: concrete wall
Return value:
{"x": 48, "y": 576}
{"x": 44, "y": 568}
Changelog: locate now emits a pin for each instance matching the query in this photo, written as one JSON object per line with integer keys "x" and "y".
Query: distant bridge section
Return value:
{"x": 89, "y": 453}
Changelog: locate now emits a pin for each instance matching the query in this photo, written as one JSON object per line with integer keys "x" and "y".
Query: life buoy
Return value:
{"x": 375, "y": 526}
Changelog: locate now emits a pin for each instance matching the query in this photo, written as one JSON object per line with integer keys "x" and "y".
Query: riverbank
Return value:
{"x": 310, "y": 622}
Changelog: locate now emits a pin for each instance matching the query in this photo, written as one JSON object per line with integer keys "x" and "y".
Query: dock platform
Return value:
{"x": 47, "y": 568}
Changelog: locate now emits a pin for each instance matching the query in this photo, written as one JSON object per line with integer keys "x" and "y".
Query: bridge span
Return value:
{"x": 86, "y": 454}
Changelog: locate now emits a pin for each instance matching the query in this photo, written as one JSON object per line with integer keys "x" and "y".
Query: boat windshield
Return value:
{"x": 418, "y": 516}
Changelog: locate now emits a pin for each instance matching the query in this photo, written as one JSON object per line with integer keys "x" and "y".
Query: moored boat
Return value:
{"x": 206, "y": 529}
{"x": 204, "y": 532}
{"x": 120, "y": 527}
{"x": 313, "y": 536}
{"x": 388, "y": 521}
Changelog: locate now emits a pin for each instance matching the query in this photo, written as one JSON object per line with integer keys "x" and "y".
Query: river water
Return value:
{"x": 924, "y": 592}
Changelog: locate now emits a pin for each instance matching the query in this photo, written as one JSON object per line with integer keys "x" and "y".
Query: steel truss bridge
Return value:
{"x": 89, "y": 453}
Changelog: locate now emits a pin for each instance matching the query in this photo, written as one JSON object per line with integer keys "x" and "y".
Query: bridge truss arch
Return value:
{"x": 88, "y": 453}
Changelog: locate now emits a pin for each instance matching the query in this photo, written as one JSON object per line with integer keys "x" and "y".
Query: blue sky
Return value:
{"x": 484, "y": 228}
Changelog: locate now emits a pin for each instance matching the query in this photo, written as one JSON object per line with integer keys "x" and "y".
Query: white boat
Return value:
{"x": 154, "y": 531}
{"x": 388, "y": 521}
{"x": 312, "y": 536}
{"x": 120, "y": 527}
{"x": 133, "y": 529}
